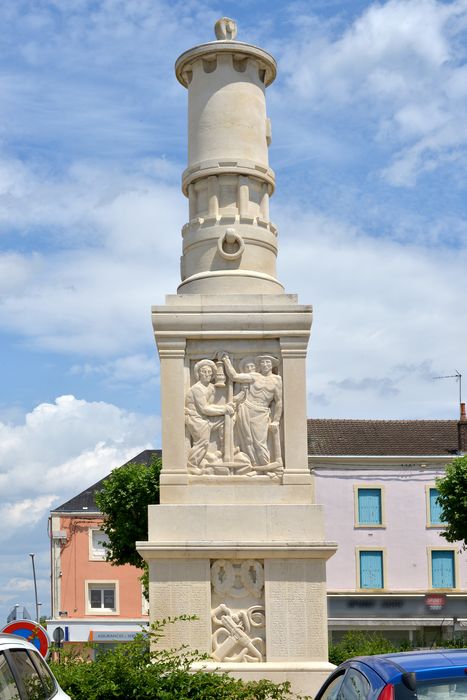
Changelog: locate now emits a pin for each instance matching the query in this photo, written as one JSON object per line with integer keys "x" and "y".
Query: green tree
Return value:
{"x": 453, "y": 500}
{"x": 124, "y": 501}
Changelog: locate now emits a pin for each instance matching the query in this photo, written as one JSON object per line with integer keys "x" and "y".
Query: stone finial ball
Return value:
{"x": 225, "y": 29}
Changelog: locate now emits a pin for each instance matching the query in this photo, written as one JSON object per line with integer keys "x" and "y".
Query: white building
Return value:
{"x": 393, "y": 571}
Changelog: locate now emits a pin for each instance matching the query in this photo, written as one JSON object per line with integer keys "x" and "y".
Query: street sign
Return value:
{"x": 58, "y": 635}
{"x": 32, "y": 632}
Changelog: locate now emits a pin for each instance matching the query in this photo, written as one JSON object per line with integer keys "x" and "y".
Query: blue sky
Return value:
{"x": 369, "y": 115}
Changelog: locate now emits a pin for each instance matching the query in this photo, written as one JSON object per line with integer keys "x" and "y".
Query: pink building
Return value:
{"x": 91, "y": 599}
{"x": 393, "y": 571}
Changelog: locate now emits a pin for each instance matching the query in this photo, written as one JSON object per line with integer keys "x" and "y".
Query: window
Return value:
{"x": 24, "y": 674}
{"x": 331, "y": 690}
{"x": 97, "y": 542}
{"x": 443, "y": 574}
{"x": 45, "y": 674}
{"x": 101, "y": 597}
{"x": 8, "y": 687}
{"x": 371, "y": 574}
{"x": 29, "y": 676}
{"x": 368, "y": 506}
{"x": 355, "y": 686}
{"x": 433, "y": 507}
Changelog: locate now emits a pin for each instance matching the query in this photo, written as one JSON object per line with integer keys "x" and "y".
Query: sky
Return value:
{"x": 369, "y": 117}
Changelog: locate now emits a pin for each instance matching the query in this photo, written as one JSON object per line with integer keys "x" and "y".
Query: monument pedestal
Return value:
{"x": 254, "y": 575}
{"x": 305, "y": 677}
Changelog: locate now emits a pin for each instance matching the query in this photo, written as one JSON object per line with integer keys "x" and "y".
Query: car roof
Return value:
{"x": 390, "y": 666}
{"x": 9, "y": 639}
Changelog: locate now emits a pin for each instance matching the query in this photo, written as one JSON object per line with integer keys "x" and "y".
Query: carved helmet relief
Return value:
{"x": 238, "y": 578}
{"x": 233, "y": 417}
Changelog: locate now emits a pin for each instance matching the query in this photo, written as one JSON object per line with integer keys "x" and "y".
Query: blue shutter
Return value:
{"x": 371, "y": 569}
{"x": 442, "y": 569}
{"x": 436, "y": 511}
{"x": 369, "y": 507}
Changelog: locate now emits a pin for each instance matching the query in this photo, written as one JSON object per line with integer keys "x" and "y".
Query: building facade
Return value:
{"x": 393, "y": 571}
{"x": 91, "y": 600}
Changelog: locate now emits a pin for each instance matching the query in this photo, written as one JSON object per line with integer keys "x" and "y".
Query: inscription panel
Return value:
{"x": 295, "y": 592}
{"x": 182, "y": 588}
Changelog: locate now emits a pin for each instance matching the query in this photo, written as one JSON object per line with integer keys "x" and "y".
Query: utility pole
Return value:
{"x": 35, "y": 585}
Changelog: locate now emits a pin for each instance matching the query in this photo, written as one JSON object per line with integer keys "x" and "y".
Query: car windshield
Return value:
{"x": 442, "y": 689}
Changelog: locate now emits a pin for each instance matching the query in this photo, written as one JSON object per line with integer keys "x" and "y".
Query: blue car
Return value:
{"x": 440, "y": 674}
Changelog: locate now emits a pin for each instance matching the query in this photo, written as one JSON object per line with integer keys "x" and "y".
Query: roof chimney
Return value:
{"x": 462, "y": 430}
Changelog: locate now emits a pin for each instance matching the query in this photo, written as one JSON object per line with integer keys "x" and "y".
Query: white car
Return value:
{"x": 24, "y": 675}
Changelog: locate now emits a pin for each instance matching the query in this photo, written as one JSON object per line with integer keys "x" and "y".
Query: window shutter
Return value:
{"x": 369, "y": 507}
{"x": 371, "y": 570}
{"x": 435, "y": 508}
{"x": 442, "y": 569}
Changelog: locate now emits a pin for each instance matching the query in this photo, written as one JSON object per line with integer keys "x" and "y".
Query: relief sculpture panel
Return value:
{"x": 238, "y": 617}
{"x": 233, "y": 417}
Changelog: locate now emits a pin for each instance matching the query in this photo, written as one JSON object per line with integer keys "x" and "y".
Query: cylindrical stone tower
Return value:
{"x": 236, "y": 539}
{"x": 229, "y": 242}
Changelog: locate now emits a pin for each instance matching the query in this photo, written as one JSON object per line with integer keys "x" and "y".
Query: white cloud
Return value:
{"x": 60, "y": 448}
{"x": 401, "y": 64}
{"x": 380, "y": 304}
{"x": 93, "y": 291}
{"x": 125, "y": 370}
{"x": 19, "y": 584}
{"x": 23, "y": 513}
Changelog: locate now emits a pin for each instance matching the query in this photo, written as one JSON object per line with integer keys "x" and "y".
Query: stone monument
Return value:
{"x": 236, "y": 539}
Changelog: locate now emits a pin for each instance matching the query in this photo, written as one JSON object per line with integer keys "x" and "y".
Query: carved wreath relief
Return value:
{"x": 233, "y": 417}
{"x": 238, "y": 627}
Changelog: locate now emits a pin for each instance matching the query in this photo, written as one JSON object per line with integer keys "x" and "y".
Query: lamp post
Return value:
{"x": 35, "y": 585}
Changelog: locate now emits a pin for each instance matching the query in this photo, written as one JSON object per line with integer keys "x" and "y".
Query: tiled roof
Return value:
{"x": 84, "y": 502}
{"x": 382, "y": 437}
{"x": 330, "y": 436}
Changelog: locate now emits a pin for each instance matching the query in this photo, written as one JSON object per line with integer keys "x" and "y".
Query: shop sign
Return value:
{"x": 435, "y": 601}
{"x": 111, "y": 636}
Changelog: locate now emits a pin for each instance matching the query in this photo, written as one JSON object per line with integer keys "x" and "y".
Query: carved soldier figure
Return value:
{"x": 202, "y": 416}
{"x": 261, "y": 409}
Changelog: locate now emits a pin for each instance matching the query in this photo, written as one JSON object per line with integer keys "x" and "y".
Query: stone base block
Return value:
{"x": 192, "y": 525}
{"x": 305, "y": 677}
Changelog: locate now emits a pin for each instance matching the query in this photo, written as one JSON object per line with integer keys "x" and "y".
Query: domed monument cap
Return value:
{"x": 226, "y": 31}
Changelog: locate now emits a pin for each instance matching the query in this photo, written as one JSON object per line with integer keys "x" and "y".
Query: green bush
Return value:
{"x": 355, "y": 643}
{"x": 134, "y": 670}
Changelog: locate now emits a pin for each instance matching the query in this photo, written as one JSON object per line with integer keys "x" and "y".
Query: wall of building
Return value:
{"x": 405, "y": 537}
{"x": 81, "y": 568}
